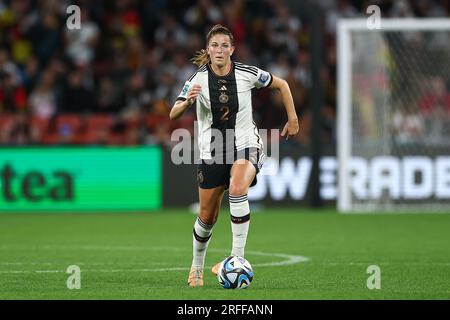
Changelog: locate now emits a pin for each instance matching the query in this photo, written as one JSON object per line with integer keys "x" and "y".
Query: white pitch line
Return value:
{"x": 77, "y": 263}
{"x": 267, "y": 264}
{"x": 289, "y": 260}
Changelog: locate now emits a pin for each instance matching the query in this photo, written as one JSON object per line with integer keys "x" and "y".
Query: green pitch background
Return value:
{"x": 127, "y": 256}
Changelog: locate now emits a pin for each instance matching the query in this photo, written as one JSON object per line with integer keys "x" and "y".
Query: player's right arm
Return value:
{"x": 183, "y": 103}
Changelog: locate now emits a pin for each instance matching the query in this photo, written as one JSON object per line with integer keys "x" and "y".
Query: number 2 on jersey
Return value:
{"x": 225, "y": 111}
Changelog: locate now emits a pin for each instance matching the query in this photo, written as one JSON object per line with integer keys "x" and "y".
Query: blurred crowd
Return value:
{"x": 114, "y": 80}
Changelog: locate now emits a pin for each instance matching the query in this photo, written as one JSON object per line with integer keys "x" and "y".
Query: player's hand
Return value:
{"x": 290, "y": 128}
{"x": 193, "y": 93}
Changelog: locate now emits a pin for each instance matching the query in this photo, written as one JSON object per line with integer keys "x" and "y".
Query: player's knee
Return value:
{"x": 238, "y": 189}
{"x": 211, "y": 220}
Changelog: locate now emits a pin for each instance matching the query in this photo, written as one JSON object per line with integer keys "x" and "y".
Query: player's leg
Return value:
{"x": 242, "y": 176}
{"x": 210, "y": 201}
{"x": 243, "y": 173}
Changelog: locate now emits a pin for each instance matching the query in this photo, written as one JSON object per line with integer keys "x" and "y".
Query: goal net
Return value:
{"x": 394, "y": 115}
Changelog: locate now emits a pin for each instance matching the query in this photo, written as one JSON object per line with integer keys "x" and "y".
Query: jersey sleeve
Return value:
{"x": 263, "y": 79}
{"x": 187, "y": 86}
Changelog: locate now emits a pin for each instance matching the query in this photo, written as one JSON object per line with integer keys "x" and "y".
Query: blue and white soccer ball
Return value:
{"x": 235, "y": 273}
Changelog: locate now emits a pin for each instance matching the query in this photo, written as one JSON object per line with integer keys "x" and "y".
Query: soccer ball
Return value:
{"x": 235, "y": 273}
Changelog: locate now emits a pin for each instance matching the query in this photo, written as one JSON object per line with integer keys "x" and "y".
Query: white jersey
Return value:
{"x": 225, "y": 104}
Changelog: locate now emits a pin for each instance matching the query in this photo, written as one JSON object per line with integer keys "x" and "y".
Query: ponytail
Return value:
{"x": 200, "y": 58}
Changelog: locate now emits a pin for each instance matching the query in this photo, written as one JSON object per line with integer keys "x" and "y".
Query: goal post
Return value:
{"x": 393, "y": 115}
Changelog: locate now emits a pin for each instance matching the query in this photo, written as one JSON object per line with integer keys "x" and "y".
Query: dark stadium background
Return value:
{"x": 113, "y": 83}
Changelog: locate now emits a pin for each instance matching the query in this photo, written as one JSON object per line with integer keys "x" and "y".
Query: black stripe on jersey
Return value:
{"x": 239, "y": 64}
{"x": 201, "y": 69}
{"x": 192, "y": 77}
{"x": 255, "y": 73}
{"x": 223, "y": 113}
{"x": 246, "y": 67}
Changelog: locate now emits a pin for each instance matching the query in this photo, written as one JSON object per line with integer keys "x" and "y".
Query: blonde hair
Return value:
{"x": 201, "y": 57}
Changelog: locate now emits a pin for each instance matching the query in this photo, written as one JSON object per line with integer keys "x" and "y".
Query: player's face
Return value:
{"x": 220, "y": 49}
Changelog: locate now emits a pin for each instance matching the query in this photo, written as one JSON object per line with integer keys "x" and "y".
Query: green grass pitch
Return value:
{"x": 147, "y": 255}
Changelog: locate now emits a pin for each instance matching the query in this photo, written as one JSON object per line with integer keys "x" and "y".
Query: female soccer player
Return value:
{"x": 231, "y": 150}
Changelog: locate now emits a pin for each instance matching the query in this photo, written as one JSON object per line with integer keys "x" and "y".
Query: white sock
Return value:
{"x": 240, "y": 222}
{"x": 201, "y": 236}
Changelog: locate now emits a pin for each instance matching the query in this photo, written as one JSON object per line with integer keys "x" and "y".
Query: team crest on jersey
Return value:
{"x": 223, "y": 98}
{"x": 263, "y": 78}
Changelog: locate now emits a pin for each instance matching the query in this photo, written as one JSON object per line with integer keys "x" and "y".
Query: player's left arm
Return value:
{"x": 291, "y": 127}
